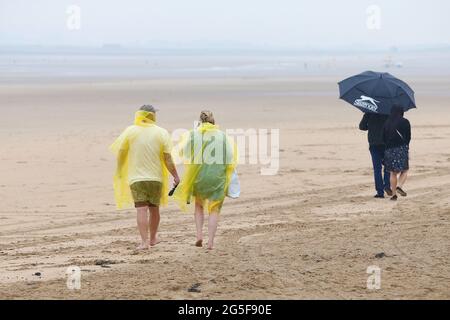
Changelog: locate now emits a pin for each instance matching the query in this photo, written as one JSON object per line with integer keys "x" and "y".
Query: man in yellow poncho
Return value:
{"x": 144, "y": 159}
{"x": 210, "y": 158}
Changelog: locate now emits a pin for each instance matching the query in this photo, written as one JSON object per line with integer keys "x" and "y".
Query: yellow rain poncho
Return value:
{"x": 121, "y": 148}
{"x": 210, "y": 158}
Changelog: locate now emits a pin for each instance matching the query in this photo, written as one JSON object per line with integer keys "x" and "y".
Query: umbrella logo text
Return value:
{"x": 367, "y": 103}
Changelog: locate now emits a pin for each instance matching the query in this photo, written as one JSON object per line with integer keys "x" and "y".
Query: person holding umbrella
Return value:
{"x": 397, "y": 136}
{"x": 376, "y": 94}
{"x": 374, "y": 125}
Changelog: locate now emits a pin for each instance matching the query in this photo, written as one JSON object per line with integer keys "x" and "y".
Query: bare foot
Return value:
{"x": 199, "y": 243}
{"x": 210, "y": 246}
{"x": 142, "y": 246}
{"x": 154, "y": 242}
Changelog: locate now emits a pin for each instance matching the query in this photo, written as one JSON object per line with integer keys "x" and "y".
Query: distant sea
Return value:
{"x": 36, "y": 67}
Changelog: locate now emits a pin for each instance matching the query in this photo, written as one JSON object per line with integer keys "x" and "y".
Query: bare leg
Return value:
{"x": 199, "y": 219}
{"x": 394, "y": 183}
{"x": 154, "y": 224}
{"x": 402, "y": 179}
{"x": 212, "y": 228}
{"x": 142, "y": 223}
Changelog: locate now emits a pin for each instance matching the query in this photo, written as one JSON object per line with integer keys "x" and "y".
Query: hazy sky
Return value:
{"x": 204, "y": 23}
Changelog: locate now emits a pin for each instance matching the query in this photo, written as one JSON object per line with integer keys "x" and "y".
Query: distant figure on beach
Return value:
{"x": 210, "y": 159}
{"x": 374, "y": 124}
{"x": 397, "y": 136}
{"x": 144, "y": 160}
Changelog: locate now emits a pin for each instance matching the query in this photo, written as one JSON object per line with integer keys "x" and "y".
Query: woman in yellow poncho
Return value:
{"x": 210, "y": 159}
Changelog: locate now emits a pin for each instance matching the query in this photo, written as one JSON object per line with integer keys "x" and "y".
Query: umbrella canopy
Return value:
{"x": 376, "y": 92}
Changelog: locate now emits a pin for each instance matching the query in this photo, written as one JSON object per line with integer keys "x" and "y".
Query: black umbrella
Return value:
{"x": 376, "y": 92}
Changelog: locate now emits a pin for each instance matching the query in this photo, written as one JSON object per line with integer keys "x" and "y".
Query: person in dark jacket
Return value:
{"x": 397, "y": 136}
{"x": 374, "y": 124}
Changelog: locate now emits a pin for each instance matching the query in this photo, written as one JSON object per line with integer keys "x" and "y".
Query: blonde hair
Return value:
{"x": 207, "y": 116}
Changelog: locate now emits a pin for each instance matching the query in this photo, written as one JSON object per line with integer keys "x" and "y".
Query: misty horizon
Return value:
{"x": 118, "y": 48}
{"x": 350, "y": 25}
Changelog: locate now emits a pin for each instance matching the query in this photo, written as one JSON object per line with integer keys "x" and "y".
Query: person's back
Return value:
{"x": 145, "y": 153}
{"x": 374, "y": 124}
{"x": 210, "y": 159}
{"x": 397, "y": 136}
{"x": 144, "y": 160}
{"x": 400, "y": 136}
{"x": 211, "y": 178}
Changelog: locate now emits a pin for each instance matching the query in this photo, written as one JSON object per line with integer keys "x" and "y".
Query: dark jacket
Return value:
{"x": 401, "y": 136}
{"x": 374, "y": 124}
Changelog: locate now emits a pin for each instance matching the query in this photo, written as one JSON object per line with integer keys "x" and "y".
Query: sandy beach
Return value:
{"x": 309, "y": 232}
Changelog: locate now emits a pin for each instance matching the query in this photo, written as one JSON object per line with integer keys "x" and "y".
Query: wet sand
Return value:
{"x": 308, "y": 232}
